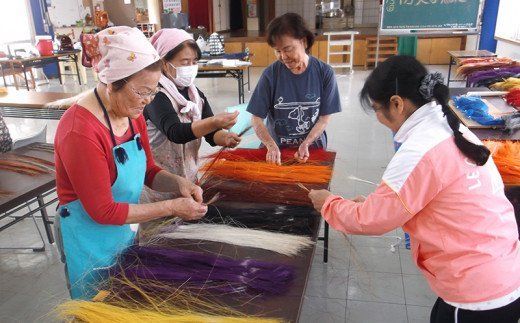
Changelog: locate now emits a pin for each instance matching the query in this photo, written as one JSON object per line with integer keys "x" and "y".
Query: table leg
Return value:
{"x": 325, "y": 240}
{"x": 326, "y": 243}
{"x": 241, "y": 87}
{"x": 248, "y": 81}
{"x": 59, "y": 71}
{"x": 32, "y": 78}
{"x": 25, "y": 77}
{"x": 75, "y": 57}
{"x": 3, "y": 75}
{"x": 449, "y": 71}
{"x": 13, "y": 73}
{"x": 238, "y": 83}
{"x": 46, "y": 222}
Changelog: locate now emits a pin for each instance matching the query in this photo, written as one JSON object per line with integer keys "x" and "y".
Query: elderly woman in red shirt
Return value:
{"x": 103, "y": 159}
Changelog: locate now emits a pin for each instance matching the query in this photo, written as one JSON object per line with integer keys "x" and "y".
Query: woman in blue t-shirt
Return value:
{"x": 297, "y": 93}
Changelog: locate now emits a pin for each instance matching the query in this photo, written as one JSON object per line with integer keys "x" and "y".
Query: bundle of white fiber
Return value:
{"x": 282, "y": 243}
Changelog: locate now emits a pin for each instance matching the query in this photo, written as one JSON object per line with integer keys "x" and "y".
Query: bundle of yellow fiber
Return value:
{"x": 506, "y": 155}
{"x": 97, "y": 312}
{"x": 507, "y": 85}
{"x": 122, "y": 300}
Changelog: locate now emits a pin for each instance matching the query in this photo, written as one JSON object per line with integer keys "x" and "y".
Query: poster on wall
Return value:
{"x": 174, "y": 6}
{"x": 251, "y": 9}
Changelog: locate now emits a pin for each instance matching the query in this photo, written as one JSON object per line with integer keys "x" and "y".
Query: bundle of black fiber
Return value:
{"x": 293, "y": 219}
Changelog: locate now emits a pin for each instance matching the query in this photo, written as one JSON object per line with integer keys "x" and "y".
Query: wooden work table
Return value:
{"x": 237, "y": 72}
{"x": 9, "y": 66}
{"x": 286, "y": 307}
{"x": 23, "y": 188}
{"x": 30, "y": 104}
{"x": 483, "y": 132}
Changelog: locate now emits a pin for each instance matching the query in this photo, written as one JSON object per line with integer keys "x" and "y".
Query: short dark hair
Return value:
{"x": 187, "y": 43}
{"x": 289, "y": 24}
{"x": 119, "y": 84}
{"x": 402, "y": 75}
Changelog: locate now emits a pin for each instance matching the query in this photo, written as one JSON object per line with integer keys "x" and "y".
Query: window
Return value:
{"x": 15, "y": 21}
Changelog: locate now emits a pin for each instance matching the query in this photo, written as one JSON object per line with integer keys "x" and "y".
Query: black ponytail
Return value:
{"x": 403, "y": 76}
{"x": 479, "y": 154}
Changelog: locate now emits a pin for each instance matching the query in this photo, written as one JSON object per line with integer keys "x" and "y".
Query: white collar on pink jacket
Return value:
{"x": 420, "y": 115}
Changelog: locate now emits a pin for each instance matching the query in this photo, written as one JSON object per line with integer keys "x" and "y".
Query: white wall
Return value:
{"x": 154, "y": 14}
{"x": 305, "y": 8}
{"x": 221, "y": 18}
{"x": 366, "y": 12}
{"x": 15, "y": 23}
{"x": 508, "y": 49}
{"x": 471, "y": 42}
{"x": 508, "y": 24}
{"x": 252, "y": 24}
{"x": 66, "y": 12}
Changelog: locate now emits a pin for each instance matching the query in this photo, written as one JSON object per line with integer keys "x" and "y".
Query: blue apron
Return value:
{"x": 89, "y": 246}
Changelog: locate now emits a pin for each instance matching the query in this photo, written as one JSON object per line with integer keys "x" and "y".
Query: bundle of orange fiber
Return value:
{"x": 513, "y": 98}
{"x": 249, "y": 165}
{"x": 506, "y": 154}
{"x": 470, "y": 65}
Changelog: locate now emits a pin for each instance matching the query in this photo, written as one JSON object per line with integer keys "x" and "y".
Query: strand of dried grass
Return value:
{"x": 33, "y": 159}
{"x": 22, "y": 167}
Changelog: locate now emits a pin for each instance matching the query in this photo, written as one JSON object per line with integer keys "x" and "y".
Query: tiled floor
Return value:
{"x": 364, "y": 281}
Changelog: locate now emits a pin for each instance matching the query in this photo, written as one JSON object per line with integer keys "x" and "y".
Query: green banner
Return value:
{"x": 430, "y": 14}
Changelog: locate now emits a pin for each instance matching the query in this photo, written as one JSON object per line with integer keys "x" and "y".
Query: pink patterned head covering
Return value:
{"x": 168, "y": 38}
{"x": 121, "y": 52}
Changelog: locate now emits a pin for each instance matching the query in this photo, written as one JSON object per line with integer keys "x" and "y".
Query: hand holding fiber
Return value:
{"x": 302, "y": 154}
{"x": 225, "y": 120}
{"x": 273, "y": 155}
{"x": 188, "y": 189}
{"x": 231, "y": 139}
{"x": 318, "y": 198}
{"x": 187, "y": 209}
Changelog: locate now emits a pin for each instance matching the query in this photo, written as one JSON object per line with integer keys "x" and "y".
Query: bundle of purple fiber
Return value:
{"x": 195, "y": 270}
{"x": 503, "y": 72}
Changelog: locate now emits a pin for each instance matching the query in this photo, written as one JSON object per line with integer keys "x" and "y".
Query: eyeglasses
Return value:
{"x": 145, "y": 94}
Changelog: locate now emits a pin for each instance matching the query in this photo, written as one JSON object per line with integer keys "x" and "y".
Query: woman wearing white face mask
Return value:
{"x": 180, "y": 115}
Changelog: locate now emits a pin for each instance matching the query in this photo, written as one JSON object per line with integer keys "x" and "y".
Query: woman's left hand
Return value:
{"x": 303, "y": 153}
{"x": 318, "y": 198}
{"x": 188, "y": 189}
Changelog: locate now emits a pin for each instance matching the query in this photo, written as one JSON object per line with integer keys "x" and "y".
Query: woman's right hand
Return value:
{"x": 187, "y": 208}
{"x": 273, "y": 155}
{"x": 225, "y": 120}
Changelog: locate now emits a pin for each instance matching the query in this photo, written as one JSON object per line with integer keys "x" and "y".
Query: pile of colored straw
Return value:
{"x": 506, "y": 155}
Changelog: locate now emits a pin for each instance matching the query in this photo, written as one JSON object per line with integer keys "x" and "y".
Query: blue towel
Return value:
{"x": 244, "y": 121}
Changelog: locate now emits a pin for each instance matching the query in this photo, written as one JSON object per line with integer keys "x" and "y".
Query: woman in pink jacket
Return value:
{"x": 445, "y": 191}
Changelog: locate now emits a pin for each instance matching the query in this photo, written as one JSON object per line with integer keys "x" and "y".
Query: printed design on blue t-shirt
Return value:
{"x": 303, "y": 115}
